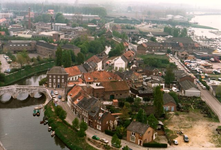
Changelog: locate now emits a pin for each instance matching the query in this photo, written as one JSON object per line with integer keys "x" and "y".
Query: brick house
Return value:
{"x": 57, "y": 77}
{"x": 74, "y": 48}
{"x": 139, "y": 133}
{"x": 15, "y": 46}
{"x": 142, "y": 48}
{"x": 169, "y": 103}
{"x": 99, "y": 76}
{"x": 110, "y": 90}
{"x": 46, "y": 49}
{"x": 75, "y": 72}
{"x": 97, "y": 61}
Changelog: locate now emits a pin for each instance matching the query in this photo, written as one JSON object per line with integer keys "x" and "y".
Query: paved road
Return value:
{"x": 5, "y": 64}
{"x": 206, "y": 96}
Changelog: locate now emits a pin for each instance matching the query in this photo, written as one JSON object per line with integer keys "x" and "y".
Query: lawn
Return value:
{"x": 65, "y": 132}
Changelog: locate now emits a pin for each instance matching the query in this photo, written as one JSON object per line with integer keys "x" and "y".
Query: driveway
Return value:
{"x": 5, "y": 64}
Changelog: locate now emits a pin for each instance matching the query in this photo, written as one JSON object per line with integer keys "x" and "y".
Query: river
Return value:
{"x": 19, "y": 130}
{"x": 207, "y": 20}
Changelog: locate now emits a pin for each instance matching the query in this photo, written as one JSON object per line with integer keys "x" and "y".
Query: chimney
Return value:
{"x": 29, "y": 18}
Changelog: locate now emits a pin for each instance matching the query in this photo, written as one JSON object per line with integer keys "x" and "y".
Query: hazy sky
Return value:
{"x": 205, "y": 3}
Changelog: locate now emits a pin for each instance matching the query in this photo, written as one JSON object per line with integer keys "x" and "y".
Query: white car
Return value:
{"x": 54, "y": 96}
{"x": 56, "y": 92}
{"x": 104, "y": 140}
{"x": 175, "y": 142}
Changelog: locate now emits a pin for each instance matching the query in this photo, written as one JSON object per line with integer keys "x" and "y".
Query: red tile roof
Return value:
{"x": 100, "y": 76}
{"x": 77, "y": 94}
{"x": 94, "y": 59}
{"x": 129, "y": 55}
{"x": 126, "y": 44}
{"x": 73, "y": 71}
{"x": 115, "y": 86}
{"x": 2, "y": 33}
{"x": 144, "y": 45}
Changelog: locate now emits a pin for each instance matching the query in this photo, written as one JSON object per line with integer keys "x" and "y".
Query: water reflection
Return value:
{"x": 37, "y": 95}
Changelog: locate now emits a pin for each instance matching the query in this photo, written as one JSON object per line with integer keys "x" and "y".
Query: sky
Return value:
{"x": 204, "y": 3}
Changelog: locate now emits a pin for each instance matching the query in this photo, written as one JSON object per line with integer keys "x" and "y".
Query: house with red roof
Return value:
{"x": 97, "y": 61}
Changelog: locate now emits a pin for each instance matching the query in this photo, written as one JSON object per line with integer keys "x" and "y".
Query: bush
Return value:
{"x": 111, "y": 133}
{"x": 158, "y": 145}
{"x": 42, "y": 81}
{"x": 81, "y": 133}
{"x": 60, "y": 112}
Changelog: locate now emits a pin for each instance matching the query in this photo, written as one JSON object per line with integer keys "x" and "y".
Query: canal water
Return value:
{"x": 19, "y": 130}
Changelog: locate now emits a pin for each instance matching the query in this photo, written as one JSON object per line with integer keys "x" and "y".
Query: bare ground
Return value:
{"x": 200, "y": 130}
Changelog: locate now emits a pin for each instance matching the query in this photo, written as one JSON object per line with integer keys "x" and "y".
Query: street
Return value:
{"x": 5, "y": 64}
{"x": 206, "y": 96}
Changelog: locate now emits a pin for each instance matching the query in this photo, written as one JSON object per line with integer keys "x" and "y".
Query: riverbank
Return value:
{"x": 202, "y": 27}
{"x": 65, "y": 132}
{"x": 26, "y": 72}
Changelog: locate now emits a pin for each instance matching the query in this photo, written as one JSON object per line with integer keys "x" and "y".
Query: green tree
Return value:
{"x": 153, "y": 39}
{"x": 80, "y": 58}
{"x": 158, "y": 101}
{"x": 42, "y": 81}
{"x": 141, "y": 116}
{"x": 83, "y": 126}
{"x": 183, "y": 32}
{"x": 137, "y": 102}
{"x": 20, "y": 59}
{"x": 125, "y": 148}
{"x": 115, "y": 141}
{"x": 130, "y": 99}
{"x": 175, "y": 97}
{"x": 60, "y": 112}
{"x": 66, "y": 57}
{"x": 125, "y": 113}
{"x": 168, "y": 51}
{"x": 59, "y": 18}
{"x": 75, "y": 123}
{"x": 152, "y": 121}
{"x": 73, "y": 57}
{"x": 58, "y": 56}
{"x": 169, "y": 77}
{"x": 81, "y": 133}
{"x": 2, "y": 77}
{"x": 218, "y": 91}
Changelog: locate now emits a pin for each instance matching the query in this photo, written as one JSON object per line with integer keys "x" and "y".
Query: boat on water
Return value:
{"x": 41, "y": 122}
{"x": 34, "y": 112}
{"x": 52, "y": 133}
{"x": 46, "y": 122}
{"x": 38, "y": 113}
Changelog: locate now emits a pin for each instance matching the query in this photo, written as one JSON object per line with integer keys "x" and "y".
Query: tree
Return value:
{"x": 58, "y": 56}
{"x": 83, "y": 126}
{"x": 115, "y": 141}
{"x": 141, "y": 116}
{"x": 137, "y": 102}
{"x": 125, "y": 113}
{"x": 218, "y": 91}
{"x": 75, "y": 123}
{"x": 130, "y": 99}
{"x": 59, "y": 18}
{"x": 66, "y": 57}
{"x": 20, "y": 59}
{"x": 80, "y": 58}
{"x": 125, "y": 148}
{"x": 175, "y": 97}
{"x": 153, "y": 39}
{"x": 81, "y": 133}
{"x": 152, "y": 121}
{"x": 169, "y": 77}
{"x": 73, "y": 57}
{"x": 158, "y": 101}
{"x": 60, "y": 112}
{"x": 168, "y": 51}
{"x": 2, "y": 77}
{"x": 42, "y": 81}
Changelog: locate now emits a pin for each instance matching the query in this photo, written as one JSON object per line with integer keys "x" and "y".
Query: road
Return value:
{"x": 5, "y": 64}
{"x": 206, "y": 96}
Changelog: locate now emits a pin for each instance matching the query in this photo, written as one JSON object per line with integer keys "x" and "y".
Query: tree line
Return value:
{"x": 176, "y": 32}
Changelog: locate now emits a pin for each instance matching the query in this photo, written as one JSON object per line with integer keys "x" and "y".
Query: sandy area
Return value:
{"x": 196, "y": 127}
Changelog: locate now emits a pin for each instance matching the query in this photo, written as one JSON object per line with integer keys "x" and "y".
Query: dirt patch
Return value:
{"x": 199, "y": 129}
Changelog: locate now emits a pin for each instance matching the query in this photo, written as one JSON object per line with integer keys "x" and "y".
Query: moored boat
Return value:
{"x": 38, "y": 113}
{"x": 34, "y": 113}
{"x": 52, "y": 133}
{"x": 49, "y": 129}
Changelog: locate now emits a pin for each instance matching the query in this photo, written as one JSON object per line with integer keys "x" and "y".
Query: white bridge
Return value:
{"x": 15, "y": 90}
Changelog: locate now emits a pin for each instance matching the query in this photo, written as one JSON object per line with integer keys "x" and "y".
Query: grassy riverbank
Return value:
{"x": 65, "y": 132}
{"x": 26, "y": 72}
{"x": 201, "y": 26}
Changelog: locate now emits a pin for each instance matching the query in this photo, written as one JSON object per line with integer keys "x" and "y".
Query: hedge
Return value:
{"x": 111, "y": 133}
{"x": 158, "y": 145}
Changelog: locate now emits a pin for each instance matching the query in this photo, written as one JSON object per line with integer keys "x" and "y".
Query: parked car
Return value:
{"x": 95, "y": 137}
{"x": 54, "y": 96}
{"x": 185, "y": 138}
{"x": 104, "y": 141}
{"x": 7, "y": 71}
{"x": 175, "y": 142}
{"x": 56, "y": 92}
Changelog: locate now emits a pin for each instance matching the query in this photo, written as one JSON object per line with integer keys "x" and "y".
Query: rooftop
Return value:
{"x": 138, "y": 127}
{"x": 57, "y": 70}
{"x": 115, "y": 86}
{"x": 73, "y": 71}
{"x": 167, "y": 98}
{"x": 186, "y": 85}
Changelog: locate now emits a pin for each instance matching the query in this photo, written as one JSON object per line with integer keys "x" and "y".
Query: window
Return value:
{"x": 50, "y": 85}
{"x": 133, "y": 133}
{"x": 58, "y": 76}
{"x": 107, "y": 122}
{"x": 132, "y": 137}
{"x": 49, "y": 80}
{"x": 54, "y": 80}
{"x": 98, "y": 127}
{"x": 62, "y": 80}
{"x": 54, "y": 76}
{"x": 62, "y": 76}
{"x": 58, "y": 80}
{"x": 50, "y": 76}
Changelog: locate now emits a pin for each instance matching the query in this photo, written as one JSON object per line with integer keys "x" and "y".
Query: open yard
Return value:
{"x": 199, "y": 129}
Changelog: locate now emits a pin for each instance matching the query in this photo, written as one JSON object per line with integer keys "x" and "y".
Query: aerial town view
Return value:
{"x": 110, "y": 75}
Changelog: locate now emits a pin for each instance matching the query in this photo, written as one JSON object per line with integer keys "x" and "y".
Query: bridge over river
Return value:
{"x": 15, "y": 90}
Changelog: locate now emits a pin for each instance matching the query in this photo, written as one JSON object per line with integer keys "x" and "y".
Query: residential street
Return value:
{"x": 206, "y": 96}
{"x": 5, "y": 64}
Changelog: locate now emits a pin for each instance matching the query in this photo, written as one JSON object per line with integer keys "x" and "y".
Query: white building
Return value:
{"x": 120, "y": 63}
{"x": 189, "y": 89}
